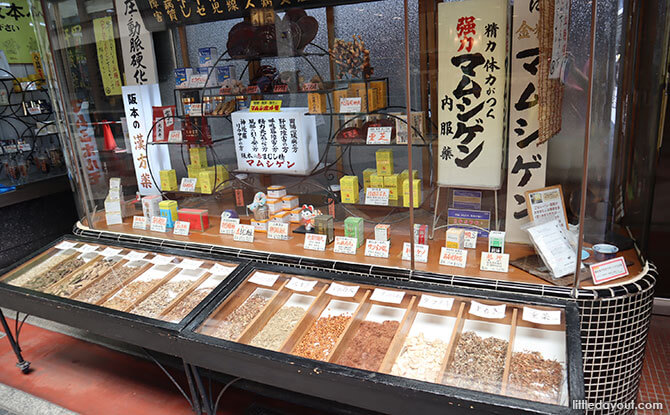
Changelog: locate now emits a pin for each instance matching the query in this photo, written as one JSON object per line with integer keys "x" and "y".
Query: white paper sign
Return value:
{"x": 139, "y": 222}
{"x": 161, "y": 259}
{"x": 453, "y": 257}
{"x": 379, "y": 135}
{"x": 87, "y": 248}
{"x": 487, "y": 311}
{"x": 243, "y": 233}
{"x": 196, "y": 108}
{"x": 137, "y": 47}
{"x": 315, "y": 242}
{"x": 181, "y": 227}
{"x": 377, "y": 196}
{"x": 436, "y": 303}
{"x": 188, "y": 184}
{"x": 350, "y": 104}
{"x": 218, "y": 269}
{"x": 554, "y": 247}
{"x": 387, "y": 296}
{"x": 297, "y": 284}
{"x": 550, "y": 317}
{"x": 470, "y": 239}
{"x": 420, "y": 252}
{"x": 559, "y": 51}
{"x": 263, "y": 278}
{"x": 65, "y": 245}
{"x": 159, "y": 223}
{"x": 375, "y": 248}
{"x": 109, "y": 251}
{"x": 494, "y": 262}
{"x": 345, "y": 245}
{"x": 134, "y": 255}
{"x": 340, "y": 290}
{"x": 227, "y": 226}
{"x": 188, "y": 263}
{"x": 175, "y": 136}
{"x": 609, "y": 270}
{"x": 278, "y": 230}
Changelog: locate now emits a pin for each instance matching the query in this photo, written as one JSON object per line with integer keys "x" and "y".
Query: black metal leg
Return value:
{"x": 21, "y": 364}
{"x": 206, "y": 401}
{"x": 195, "y": 400}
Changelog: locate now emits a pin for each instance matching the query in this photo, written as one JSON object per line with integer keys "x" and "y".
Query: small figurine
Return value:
{"x": 259, "y": 206}
{"x": 307, "y": 215}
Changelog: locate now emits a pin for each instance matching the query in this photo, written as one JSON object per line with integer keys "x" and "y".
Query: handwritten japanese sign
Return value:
{"x": 420, "y": 252}
{"x": 379, "y": 135}
{"x": 137, "y": 44}
{"x": 494, "y": 262}
{"x": 106, "y": 48}
{"x": 315, "y": 242}
{"x": 345, "y": 245}
{"x": 471, "y": 92}
{"x": 17, "y": 35}
{"x": 453, "y": 257}
{"x": 375, "y": 248}
{"x": 265, "y": 106}
{"x": 377, "y": 196}
{"x": 227, "y": 226}
{"x": 534, "y": 315}
{"x": 487, "y": 311}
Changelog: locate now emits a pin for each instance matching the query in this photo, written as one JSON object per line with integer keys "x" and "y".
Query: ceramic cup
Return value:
{"x": 603, "y": 252}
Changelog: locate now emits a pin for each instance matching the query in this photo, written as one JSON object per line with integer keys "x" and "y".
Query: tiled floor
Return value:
{"x": 655, "y": 382}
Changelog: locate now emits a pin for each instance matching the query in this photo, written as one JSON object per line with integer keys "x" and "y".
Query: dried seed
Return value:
{"x": 156, "y": 302}
{"x": 110, "y": 282}
{"x": 234, "y": 323}
{"x": 369, "y": 345}
{"x": 477, "y": 363}
{"x": 54, "y": 274}
{"x": 534, "y": 377}
{"x": 279, "y": 328}
{"x": 320, "y": 339}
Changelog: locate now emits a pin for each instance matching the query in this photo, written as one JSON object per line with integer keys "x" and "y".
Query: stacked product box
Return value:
{"x": 354, "y": 227}
{"x": 114, "y": 206}
{"x": 169, "y": 181}
{"x": 349, "y": 189}
{"x": 384, "y": 158}
{"x": 150, "y": 206}
{"x": 168, "y": 209}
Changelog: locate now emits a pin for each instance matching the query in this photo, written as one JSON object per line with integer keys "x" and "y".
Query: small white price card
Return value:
{"x": 345, "y": 245}
{"x": 34, "y": 110}
{"x": 315, "y": 242}
{"x": 219, "y": 269}
{"x": 243, "y": 233}
{"x": 139, "y": 222}
{"x": 609, "y": 270}
{"x": 494, "y": 262}
{"x": 453, "y": 257}
{"x": 487, "y": 311}
{"x": 379, "y": 135}
{"x": 181, "y": 227}
{"x": 161, "y": 259}
{"x": 188, "y": 184}
{"x": 436, "y": 303}
{"x": 227, "y": 226}
{"x": 175, "y": 136}
{"x": 340, "y": 290}
{"x": 379, "y": 249}
{"x": 65, "y": 245}
{"x": 87, "y": 248}
{"x": 187, "y": 263}
{"x": 296, "y": 284}
{"x": 263, "y": 278}
{"x": 134, "y": 255}
{"x": 420, "y": 252}
{"x": 109, "y": 251}
{"x": 377, "y": 196}
{"x": 387, "y": 296}
{"x": 196, "y": 110}
{"x": 550, "y": 317}
{"x": 350, "y": 104}
{"x": 277, "y": 230}
{"x": 159, "y": 224}
{"x": 470, "y": 239}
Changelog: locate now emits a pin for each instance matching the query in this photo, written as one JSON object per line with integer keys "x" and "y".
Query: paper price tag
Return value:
{"x": 453, "y": 257}
{"x": 345, "y": 245}
{"x": 377, "y": 196}
{"x": 243, "y": 233}
{"x": 227, "y": 226}
{"x": 470, "y": 239}
{"x": 296, "y": 284}
{"x": 87, "y": 248}
{"x": 134, "y": 255}
{"x": 339, "y": 290}
{"x": 188, "y": 184}
{"x": 609, "y": 270}
{"x": 420, "y": 252}
{"x": 315, "y": 242}
{"x": 549, "y": 317}
{"x": 175, "y": 136}
{"x": 65, "y": 245}
{"x": 375, "y": 248}
{"x": 277, "y": 230}
{"x": 107, "y": 252}
{"x": 187, "y": 263}
{"x": 387, "y": 296}
{"x": 350, "y": 104}
{"x": 379, "y": 135}
{"x": 159, "y": 224}
{"x": 181, "y": 227}
{"x": 196, "y": 109}
{"x": 263, "y": 278}
{"x": 494, "y": 262}
{"x": 139, "y": 222}
{"x": 219, "y": 269}
{"x": 436, "y": 303}
{"x": 487, "y": 311}
{"x": 24, "y": 147}
{"x": 34, "y": 110}
{"x": 161, "y": 259}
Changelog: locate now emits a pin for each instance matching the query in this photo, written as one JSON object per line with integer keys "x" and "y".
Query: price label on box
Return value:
{"x": 453, "y": 257}
{"x": 487, "y": 311}
{"x": 263, "y": 278}
{"x": 494, "y": 262}
{"x": 436, "y": 303}
{"x": 139, "y": 222}
{"x": 379, "y": 135}
{"x": 350, "y": 104}
{"x": 420, "y": 252}
{"x": 277, "y": 230}
{"x": 549, "y": 317}
{"x": 181, "y": 227}
{"x": 315, "y": 242}
{"x": 227, "y": 226}
{"x": 345, "y": 245}
{"x": 377, "y": 196}
{"x": 188, "y": 184}
{"x": 340, "y": 290}
{"x": 387, "y": 296}
{"x": 296, "y": 284}
{"x": 609, "y": 270}
{"x": 375, "y": 248}
{"x": 243, "y": 233}
{"x": 175, "y": 136}
{"x": 159, "y": 223}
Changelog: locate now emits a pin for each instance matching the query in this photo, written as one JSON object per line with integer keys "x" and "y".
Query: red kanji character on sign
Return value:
{"x": 88, "y": 151}
{"x": 145, "y": 181}
{"x": 465, "y": 27}
{"x": 94, "y": 177}
{"x": 142, "y": 160}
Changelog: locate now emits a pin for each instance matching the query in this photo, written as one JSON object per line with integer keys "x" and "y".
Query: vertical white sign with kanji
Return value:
{"x": 527, "y": 162}
{"x": 137, "y": 45}
{"x": 471, "y": 92}
{"x": 137, "y": 101}
{"x": 87, "y": 144}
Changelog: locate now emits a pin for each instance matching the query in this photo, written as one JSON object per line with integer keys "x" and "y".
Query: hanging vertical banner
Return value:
{"x": 17, "y": 36}
{"x": 87, "y": 144}
{"x": 559, "y": 51}
{"x": 109, "y": 66}
{"x": 527, "y": 158}
{"x": 138, "y": 101}
{"x": 471, "y": 92}
{"x": 137, "y": 45}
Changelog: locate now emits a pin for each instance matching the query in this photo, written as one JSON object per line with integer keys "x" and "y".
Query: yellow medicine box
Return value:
{"x": 198, "y": 156}
{"x": 384, "y": 159}
{"x": 366, "y": 177}
{"x": 394, "y": 184}
{"x": 169, "y": 180}
{"x": 416, "y": 191}
{"x": 316, "y": 103}
{"x": 376, "y": 181}
{"x": 404, "y": 175}
{"x": 349, "y": 189}
{"x": 206, "y": 181}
